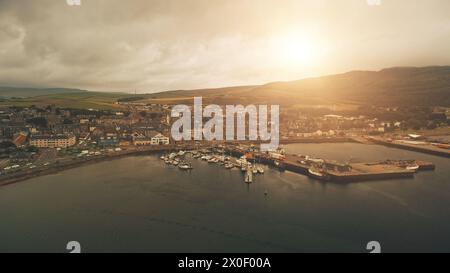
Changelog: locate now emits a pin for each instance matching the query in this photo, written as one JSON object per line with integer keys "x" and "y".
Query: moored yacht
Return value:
{"x": 260, "y": 169}
{"x": 185, "y": 166}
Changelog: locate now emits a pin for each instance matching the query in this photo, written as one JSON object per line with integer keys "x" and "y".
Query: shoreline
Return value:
{"x": 75, "y": 163}
{"x": 71, "y": 165}
{"x": 419, "y": 149}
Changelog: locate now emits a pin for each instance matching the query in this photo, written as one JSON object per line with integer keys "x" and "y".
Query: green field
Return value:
{"x": 83, "y": 100}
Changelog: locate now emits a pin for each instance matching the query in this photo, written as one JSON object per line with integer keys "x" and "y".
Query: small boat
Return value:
{"x": 317, "y": 174}
{"x": 162, "y": 157}
{"x": 185, "y": 166}
{"x": 413, "y": 167}
{"x": 181, "y": 153}
{"x": 212, "y": 160}
{"x": 254, "y": 170}
{"x": 229, "y": 166}
{"x": 175, "y": 162}
{"x": 260, "y": 170}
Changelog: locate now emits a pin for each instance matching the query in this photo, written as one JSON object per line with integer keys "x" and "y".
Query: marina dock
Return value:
{"x": 343, "y": 173}
{"x": 326, "y": 170}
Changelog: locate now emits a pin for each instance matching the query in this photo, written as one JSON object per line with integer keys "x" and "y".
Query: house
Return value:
{"x": 151, "y": 138}
{"x": 141, "y": 140}
{"x": 108, "y": 141}
{"x": 20, "y": 139}
{"x": 124, "y": 142}
{"x": 160, "y": 139}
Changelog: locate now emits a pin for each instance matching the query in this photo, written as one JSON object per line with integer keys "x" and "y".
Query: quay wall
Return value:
{"x": 369, "y": 177}
{"x": 413, "y": 148}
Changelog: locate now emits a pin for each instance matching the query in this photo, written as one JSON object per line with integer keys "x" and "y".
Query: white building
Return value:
{"x": 57, "y": 141}
{"x": 152, "y": 138}
{"x": 160, "y": 139}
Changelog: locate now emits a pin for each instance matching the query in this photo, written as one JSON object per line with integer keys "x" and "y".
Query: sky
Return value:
{"x": 151, "y": 46}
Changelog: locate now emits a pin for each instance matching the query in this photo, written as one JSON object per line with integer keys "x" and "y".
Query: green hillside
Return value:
{"x": 418, "y": 86}
{"x": 25, "y": 92}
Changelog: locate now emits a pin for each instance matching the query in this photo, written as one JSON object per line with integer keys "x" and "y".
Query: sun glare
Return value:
{"x": 296, "y": 50}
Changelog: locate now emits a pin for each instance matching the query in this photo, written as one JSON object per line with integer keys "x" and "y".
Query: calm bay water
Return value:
{"x": 139, "y": 204}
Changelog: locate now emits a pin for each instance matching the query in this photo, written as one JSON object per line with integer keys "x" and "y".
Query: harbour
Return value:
{"x": 139, "y": 203}
{"x": 248, "y": 159}
{"x": 242, "y": 158}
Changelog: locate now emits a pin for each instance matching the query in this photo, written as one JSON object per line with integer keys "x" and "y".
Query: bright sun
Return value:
{"x": 296, "y": 50}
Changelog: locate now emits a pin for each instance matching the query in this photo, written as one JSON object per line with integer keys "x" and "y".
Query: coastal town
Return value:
{"x": 47, "y": 139}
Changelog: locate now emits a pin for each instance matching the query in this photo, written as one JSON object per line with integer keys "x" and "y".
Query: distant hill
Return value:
{"x": 423, "y": 86}
{"x": 24, "y": 92}
{"x": 393, "y": 86}
{"x": 399, "y": 86}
